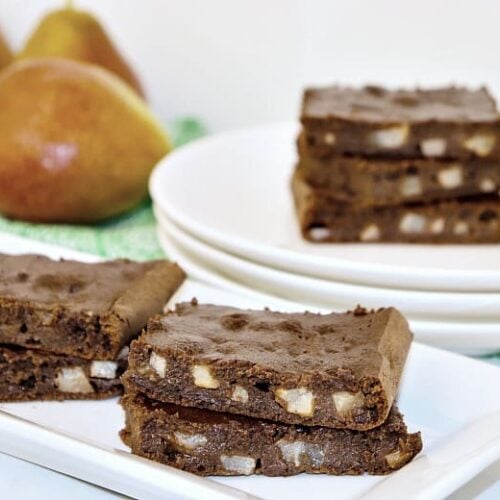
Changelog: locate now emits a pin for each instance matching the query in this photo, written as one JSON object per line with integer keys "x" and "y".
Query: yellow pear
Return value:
{"x": 76, "y": 34}
{"x": 5, "y": 53}
{"x": 76, "y": 143}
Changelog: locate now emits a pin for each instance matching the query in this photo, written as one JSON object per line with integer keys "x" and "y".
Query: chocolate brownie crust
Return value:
{"x": 29, "y": 375}
{"x": 463, "y": 220}
{"x": 210, "y": 443}
{"x": 449, "y": 122}
{"x": 337, "y": 370}
{"x": 85, "y": 310}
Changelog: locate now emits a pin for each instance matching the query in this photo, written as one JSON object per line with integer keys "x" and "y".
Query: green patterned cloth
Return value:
{"x": 131, "y": 235}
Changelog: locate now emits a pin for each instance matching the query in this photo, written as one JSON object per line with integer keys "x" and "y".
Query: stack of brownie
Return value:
{"x": 217, "y": 390}
{"x": 398, "y": 166}
{"x": 65, "y": 326}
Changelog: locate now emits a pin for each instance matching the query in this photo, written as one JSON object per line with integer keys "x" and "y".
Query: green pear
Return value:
{"x": 76, "y": 34}
{"x": 76, "y": 143}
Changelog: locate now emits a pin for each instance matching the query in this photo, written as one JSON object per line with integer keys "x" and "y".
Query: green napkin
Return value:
{"x": 131, "y": 235}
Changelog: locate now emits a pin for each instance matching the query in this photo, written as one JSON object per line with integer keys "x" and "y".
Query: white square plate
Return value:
{"x": 453, "y": 400}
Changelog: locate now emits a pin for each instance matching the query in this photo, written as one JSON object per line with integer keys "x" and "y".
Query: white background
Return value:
{"x": 240, "y": 62}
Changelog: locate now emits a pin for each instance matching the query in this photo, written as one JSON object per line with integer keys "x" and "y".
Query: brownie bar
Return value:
{"x": 380, "y": 182}
{"x": 322, "y": 219}
{"x": 85, "y": 310}
{"x": 336, "y": 370}
{"x": 29, "y": 375}
{"x": 451, "y": 122}
{"x": 211, "y": 443}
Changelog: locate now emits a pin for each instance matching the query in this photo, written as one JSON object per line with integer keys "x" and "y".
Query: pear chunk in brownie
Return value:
{"x": 29, "y": 375}
{"x": 210, "y": 443}
{"x": 334, "y": 370}
{"x": 89, "y": 311}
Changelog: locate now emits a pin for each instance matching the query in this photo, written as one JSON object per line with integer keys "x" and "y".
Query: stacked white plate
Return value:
{"x": 225, "y": 212}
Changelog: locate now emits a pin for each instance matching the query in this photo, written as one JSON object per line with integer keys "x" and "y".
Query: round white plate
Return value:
{"x": 323, "y": 293}
{"x": 233, "y": 191}
{"x": 466, "y": 337}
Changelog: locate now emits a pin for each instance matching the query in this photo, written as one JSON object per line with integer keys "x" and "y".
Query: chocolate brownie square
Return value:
{"x": 89, "y": 311}
{"x": 335, "y": 370}
{"x": 448, "y": 122}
